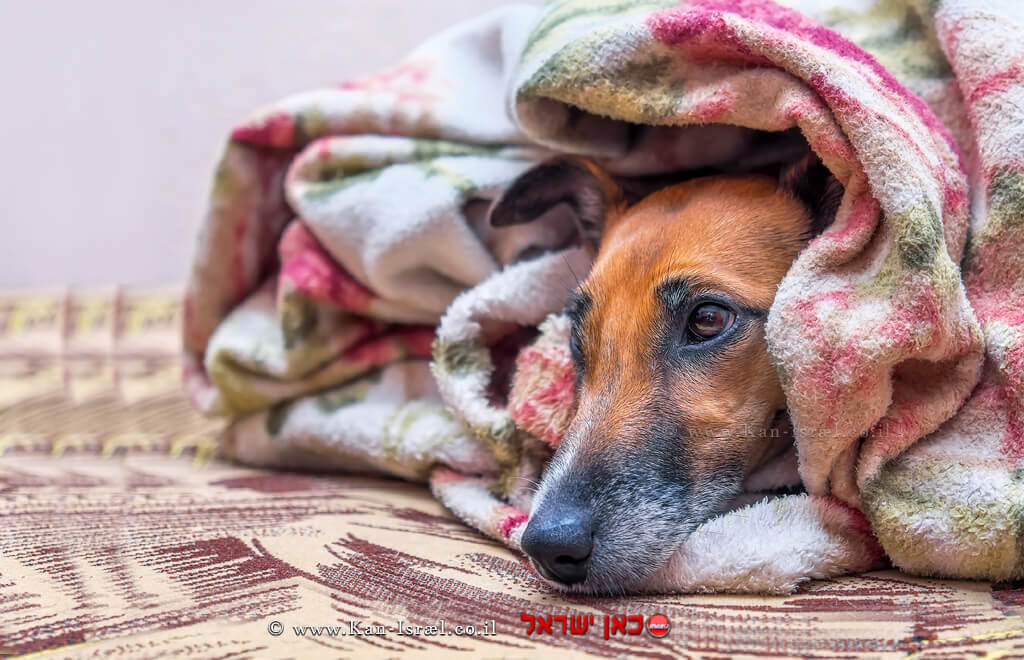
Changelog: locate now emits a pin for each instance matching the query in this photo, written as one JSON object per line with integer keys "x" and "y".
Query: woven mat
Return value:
{"x": 122, "y": 534}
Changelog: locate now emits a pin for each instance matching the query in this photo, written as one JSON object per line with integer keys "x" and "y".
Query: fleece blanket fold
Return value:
{"x": 351, "y": 308}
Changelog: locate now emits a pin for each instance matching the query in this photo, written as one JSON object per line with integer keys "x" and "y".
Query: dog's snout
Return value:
{"x": 560, "y": 539}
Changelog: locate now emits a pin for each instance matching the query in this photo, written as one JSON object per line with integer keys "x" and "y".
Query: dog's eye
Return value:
{"x": 709, "y": 320}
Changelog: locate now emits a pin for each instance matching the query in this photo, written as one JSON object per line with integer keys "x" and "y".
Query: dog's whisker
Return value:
{"x": 569, "y": 266}
{"x": 528, "y": 481}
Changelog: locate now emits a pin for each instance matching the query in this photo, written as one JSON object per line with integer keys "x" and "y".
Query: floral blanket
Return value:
{"x": 350, "y": 307}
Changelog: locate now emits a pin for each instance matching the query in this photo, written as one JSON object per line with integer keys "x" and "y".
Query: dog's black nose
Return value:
{"x": 559, "y": 539}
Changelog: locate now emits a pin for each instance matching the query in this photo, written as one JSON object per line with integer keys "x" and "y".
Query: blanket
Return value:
{"x": 350, "y": 307}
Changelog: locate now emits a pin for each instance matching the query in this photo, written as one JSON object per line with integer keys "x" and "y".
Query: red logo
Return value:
{"x": 658, "y": 625}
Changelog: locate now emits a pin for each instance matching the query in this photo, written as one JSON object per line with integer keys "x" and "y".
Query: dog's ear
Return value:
{"x": 589, "y": 192}
{"x": 813, "y": 184}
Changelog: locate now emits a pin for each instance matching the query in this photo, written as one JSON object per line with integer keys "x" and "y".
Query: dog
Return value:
{"x": 677, "y": 399}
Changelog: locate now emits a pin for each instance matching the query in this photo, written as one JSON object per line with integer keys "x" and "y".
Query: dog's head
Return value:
{"x": 676, "y": 393}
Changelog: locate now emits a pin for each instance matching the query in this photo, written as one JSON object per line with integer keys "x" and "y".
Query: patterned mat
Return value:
{"x": 122, "y": 535}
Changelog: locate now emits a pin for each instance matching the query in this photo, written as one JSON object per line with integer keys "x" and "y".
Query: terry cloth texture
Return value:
{"x": 347, "y": 246}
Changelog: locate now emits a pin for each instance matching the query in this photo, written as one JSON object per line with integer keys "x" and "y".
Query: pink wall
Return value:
{"x": 114, "y": 111}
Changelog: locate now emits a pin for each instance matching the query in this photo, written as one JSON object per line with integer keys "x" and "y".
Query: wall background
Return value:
{"x": 114, "y": 112}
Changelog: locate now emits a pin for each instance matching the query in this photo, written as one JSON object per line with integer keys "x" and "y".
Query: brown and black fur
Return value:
{"x": 667, "y": 423}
